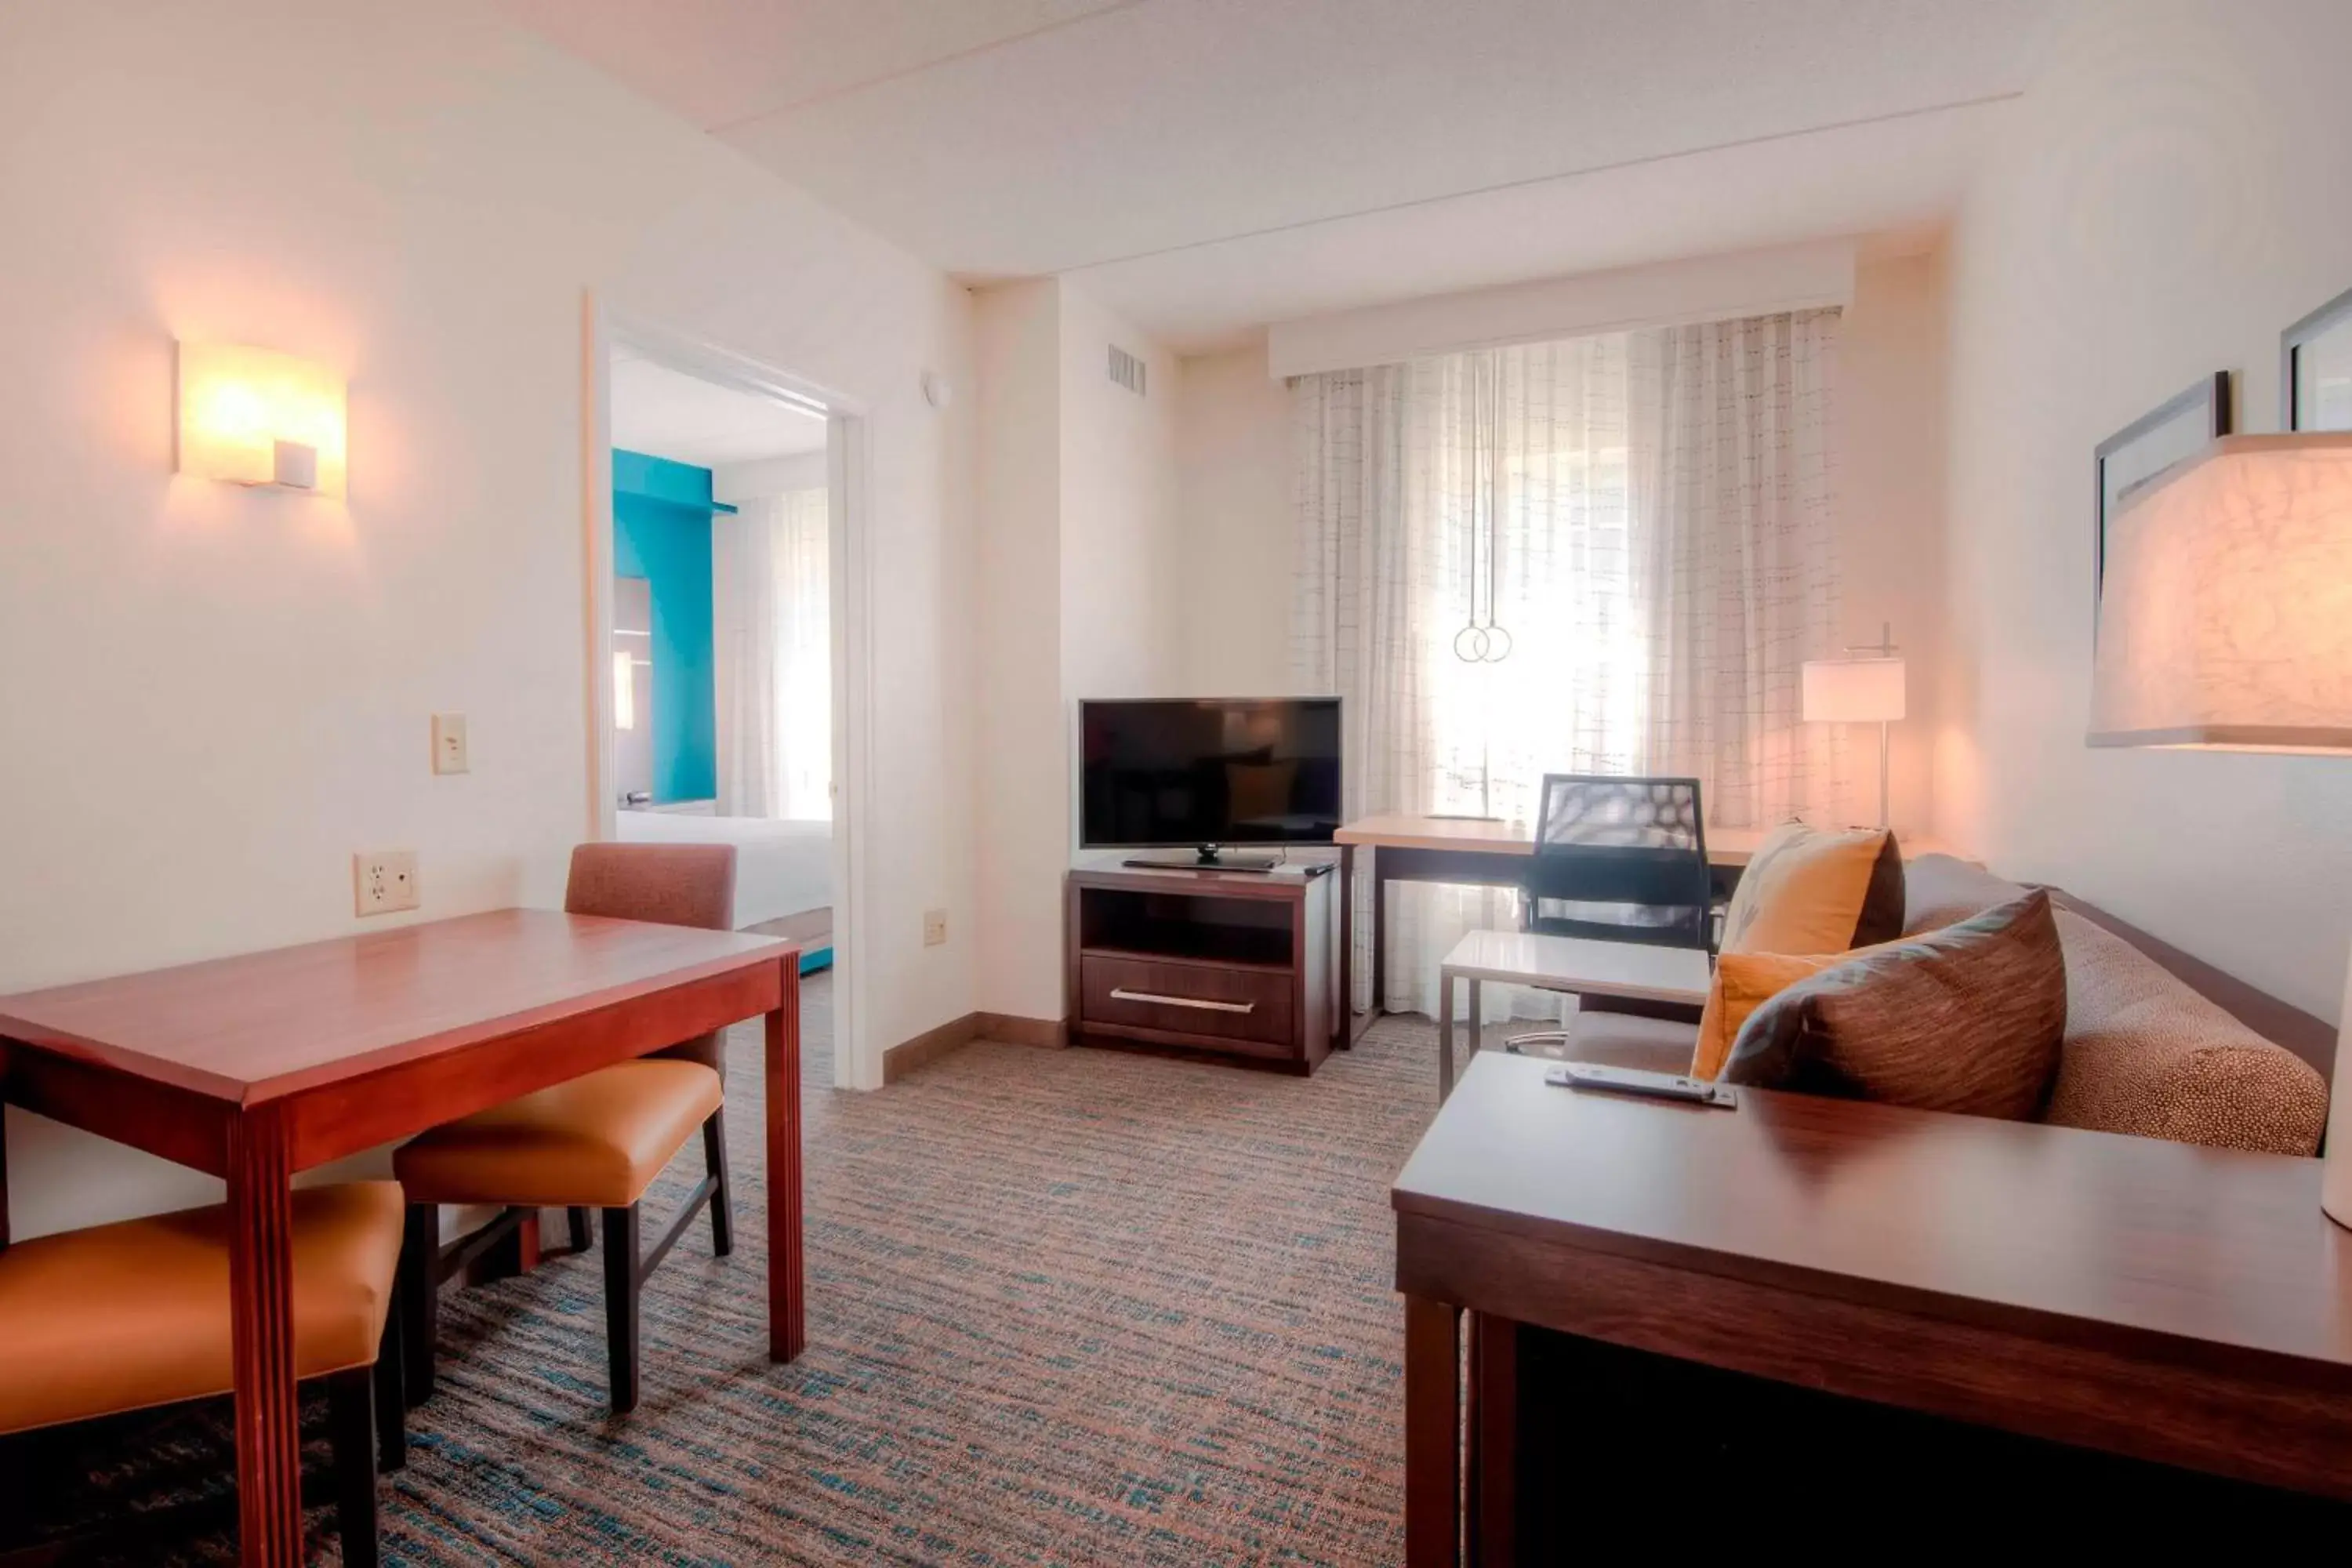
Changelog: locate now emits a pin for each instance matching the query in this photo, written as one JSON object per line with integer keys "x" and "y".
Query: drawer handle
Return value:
{"x": 1121, "y": 993}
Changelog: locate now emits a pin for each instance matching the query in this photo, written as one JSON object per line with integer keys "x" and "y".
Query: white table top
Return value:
{"x": 1629, "y": 969}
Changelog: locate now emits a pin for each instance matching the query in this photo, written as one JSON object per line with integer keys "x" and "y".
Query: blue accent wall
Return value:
{"x": 661, "y": 532}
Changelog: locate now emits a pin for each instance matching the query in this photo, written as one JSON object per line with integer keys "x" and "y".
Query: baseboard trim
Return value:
{"x": 1046, "y": 1033}
{"x": 913, "y": 1056}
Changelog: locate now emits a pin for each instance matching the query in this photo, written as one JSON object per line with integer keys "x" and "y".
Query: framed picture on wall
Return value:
{"x": 2316, "y": 369}
{"x": 2144, "y": 450}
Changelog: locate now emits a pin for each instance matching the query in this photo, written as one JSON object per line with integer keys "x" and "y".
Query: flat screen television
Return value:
{"x": 1206, "y": 772}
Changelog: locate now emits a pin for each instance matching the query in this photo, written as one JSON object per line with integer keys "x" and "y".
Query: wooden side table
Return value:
{"x": 2160, "y": 1301}
{"x": 1236, "y": 966}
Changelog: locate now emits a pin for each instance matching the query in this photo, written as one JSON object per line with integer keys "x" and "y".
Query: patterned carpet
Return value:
{"x": 1073, "y": 1307}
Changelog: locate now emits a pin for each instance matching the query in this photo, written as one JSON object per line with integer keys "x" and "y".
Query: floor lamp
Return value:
{"x": 1863, "y": 688}
{"x": 2225, "y": 623}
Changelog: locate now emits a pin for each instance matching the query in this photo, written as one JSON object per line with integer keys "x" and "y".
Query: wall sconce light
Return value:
{"x": 253, "y": 416}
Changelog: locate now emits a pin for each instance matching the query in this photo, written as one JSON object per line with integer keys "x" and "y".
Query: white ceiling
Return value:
{"x": 670, "y": 414}
{"x": 1209, "y": 165}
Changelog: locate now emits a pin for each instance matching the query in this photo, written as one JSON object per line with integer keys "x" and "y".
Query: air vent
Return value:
{"x": 1127, "y": 370}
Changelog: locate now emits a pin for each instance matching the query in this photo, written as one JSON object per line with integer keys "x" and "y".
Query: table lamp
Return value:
{"x": 2225, "y": 623}
{"x": 1863, "y": 688}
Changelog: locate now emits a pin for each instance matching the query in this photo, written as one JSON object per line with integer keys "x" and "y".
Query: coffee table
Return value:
{"x": 1634, "y": 971}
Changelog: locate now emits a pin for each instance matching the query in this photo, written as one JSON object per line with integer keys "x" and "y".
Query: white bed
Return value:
{"x": 781, "y": 867}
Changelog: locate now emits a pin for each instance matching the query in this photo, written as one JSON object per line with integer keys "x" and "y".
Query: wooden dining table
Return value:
{"x": 254, "y": 1067}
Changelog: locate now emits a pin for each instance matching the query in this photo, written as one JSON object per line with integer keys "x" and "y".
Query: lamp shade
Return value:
{"x": 253, "y": 416}
{"x": 2225, "y": 613}
{"x": 1854, "y": 690}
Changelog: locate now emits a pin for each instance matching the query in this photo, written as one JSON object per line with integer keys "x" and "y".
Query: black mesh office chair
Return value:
{"x": 1621, "y": 859}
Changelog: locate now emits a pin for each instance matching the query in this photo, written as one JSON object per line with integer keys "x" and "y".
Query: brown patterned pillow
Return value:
{"x": 1967, "y": 1018}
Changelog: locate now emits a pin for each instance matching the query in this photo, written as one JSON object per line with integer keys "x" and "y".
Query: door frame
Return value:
{"x": 855, "y": 1063}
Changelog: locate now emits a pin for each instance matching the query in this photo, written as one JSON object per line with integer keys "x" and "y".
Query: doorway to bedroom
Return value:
{"x": 721, "y": 650}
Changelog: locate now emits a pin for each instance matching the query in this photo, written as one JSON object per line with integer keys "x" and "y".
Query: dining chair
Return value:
{"x": 135, "y": 1316}
{"x": 1620, "y": 860}
{"x": 596, "y": 1142}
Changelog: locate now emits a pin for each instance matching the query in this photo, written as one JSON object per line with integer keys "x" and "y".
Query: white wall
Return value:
{"x": 212, "y": 696}
{"x": 1118, "y": 510}
{"x": 1668, "y": 293}
{"x": 1023, "y": 803}
{"x": 1237, "y": 524}
{"x": 1893, "y": 365}
{"x": 1078, "y": 553}
{"x": 765, "y": 476}
{"x": 2168, "y": 195}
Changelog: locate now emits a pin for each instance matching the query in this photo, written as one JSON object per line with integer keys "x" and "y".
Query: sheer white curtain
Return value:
{"x": 1737, "y": 571}
{"x": 1642, "y": 520}
{"x": 771, "y": 587}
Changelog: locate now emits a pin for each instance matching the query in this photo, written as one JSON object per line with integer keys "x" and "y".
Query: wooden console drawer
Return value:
{"x": 1229, "y": 1001}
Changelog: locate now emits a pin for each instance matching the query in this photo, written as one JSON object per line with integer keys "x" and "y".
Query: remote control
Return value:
{"x": 1650, "y": 1085}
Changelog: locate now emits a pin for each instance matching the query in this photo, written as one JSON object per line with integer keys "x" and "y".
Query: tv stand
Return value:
{"x": 1245, "y": 968}
{"x": 1208, "y": 858}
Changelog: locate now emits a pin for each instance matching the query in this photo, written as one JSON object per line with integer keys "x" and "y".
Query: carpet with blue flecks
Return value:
{"x": 1065, "y": 1306}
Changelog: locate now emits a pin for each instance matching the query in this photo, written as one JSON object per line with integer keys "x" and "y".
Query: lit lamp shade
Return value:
{"x": 1853, "y": 691}
{"x": 254, "y": 416}
{"x": 2225, "y": 615}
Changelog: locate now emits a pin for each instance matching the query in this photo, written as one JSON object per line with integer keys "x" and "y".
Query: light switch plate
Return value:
{"x": 935, "y": 927}
{"x": 384, "y": 882}
{"x": 449, "y": 744}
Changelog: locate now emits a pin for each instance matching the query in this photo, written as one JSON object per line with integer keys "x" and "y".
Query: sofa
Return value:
{"x": 2156, "y": 1044}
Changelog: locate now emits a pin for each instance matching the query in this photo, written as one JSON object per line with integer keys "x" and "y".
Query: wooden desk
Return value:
{"x": 1726, "y": 846}
{"x": 254, "y": 1067}
{"x": 2187, "y": 1306}
{"x": 1479, "y": 854}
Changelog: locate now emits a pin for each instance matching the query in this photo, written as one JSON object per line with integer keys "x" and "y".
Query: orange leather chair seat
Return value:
{"x": 123, "y": 1317}
{"x": 595, "y": 1142}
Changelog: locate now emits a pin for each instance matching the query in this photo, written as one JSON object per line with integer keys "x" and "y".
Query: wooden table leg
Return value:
{"x": 787, "y": 1284}
{"x": 1494, "y": 1440}
{"x": 1433, "y": 1434}
{"x": 1379, "y": 920}
{"x": 261, "y": 1316}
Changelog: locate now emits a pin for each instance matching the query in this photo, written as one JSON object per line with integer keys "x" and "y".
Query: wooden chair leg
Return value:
{"x": 579, "y": 1218}
{"x": 350, "y": 1418}
{"x": 391, "y": 1393}
{"x": 621, "y": 1282}
{"x": 714, "y": 1154}
{"x": 419, "y": 1300}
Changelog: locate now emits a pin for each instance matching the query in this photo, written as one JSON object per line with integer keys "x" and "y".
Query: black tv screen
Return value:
{"x": 1186, "y": 771}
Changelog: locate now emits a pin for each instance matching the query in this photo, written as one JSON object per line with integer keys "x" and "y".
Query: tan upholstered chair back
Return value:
{"x": 667, "y": 884}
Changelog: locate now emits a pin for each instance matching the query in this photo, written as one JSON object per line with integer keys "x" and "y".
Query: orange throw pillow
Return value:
{"x": 1808, "y": 889}
{"x": 1743, "y": 983}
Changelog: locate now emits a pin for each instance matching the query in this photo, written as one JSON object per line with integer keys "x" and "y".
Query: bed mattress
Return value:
{"x": 782, "y": 867}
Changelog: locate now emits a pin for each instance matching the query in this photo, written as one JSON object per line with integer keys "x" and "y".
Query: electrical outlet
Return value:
{"x": 384, "y": 882}
{"x": 449, "y": 744}
{"x": 935, "y": 927}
